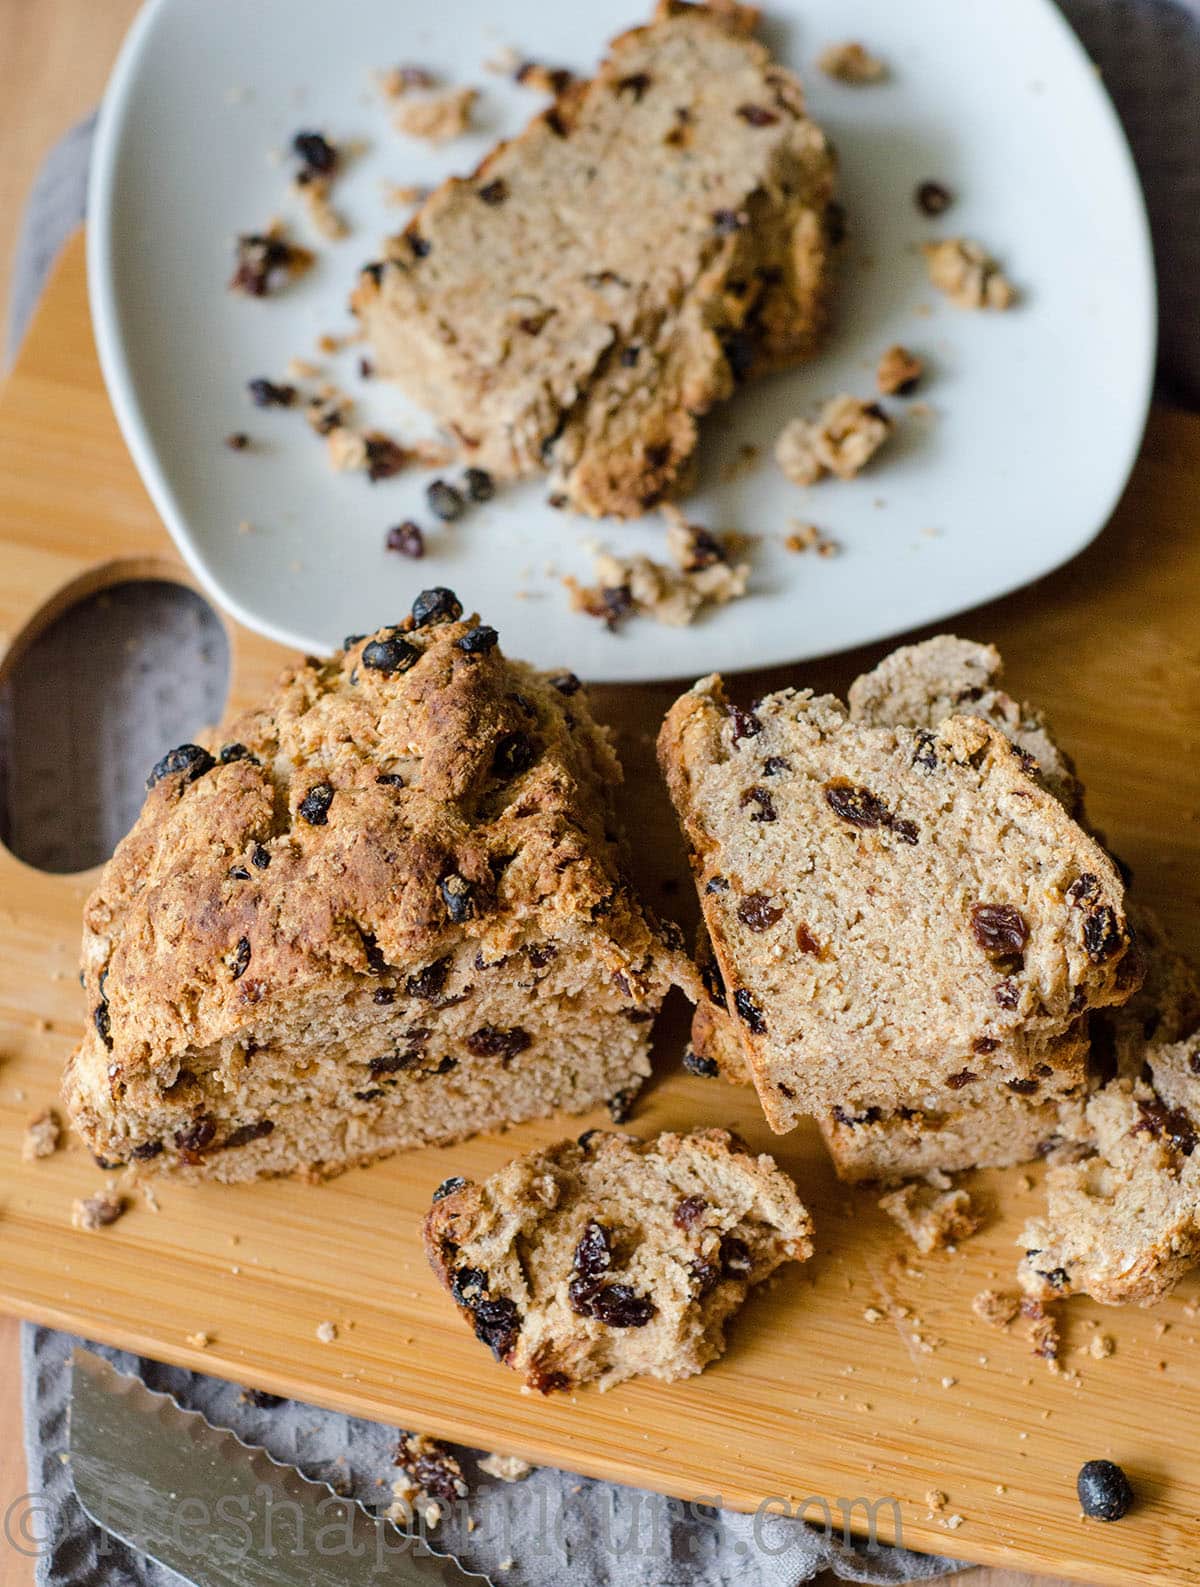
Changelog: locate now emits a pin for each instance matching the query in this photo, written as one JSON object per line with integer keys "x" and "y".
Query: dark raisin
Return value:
{"x": 1159, "y": 1121}
{"x": 870, "y": 1116}
{"x": 261, "y": 1400}
{"x": 705, "y": 1276}
{"x": 735, "y": 1257}
{"x": 240, "y": 962}
{"x": 479, "y": 641}
{"x": 925, "y": 754}
{"x": 374, "y": 271}
{"x": 859, "y": 806}
{"x": 245, "y": 1133}
{"x": 268, "y": 394}
{"x": 745, "y": 723}
{"x": 438, "y": 605}
{"x": 497, "y": 1324}
{"x": 1007, "y": 993}
{"x": 406, "y": 538}
{"x": 714, "y": 981}
{"x": 469, "y": 1285}
{"x": 739, "y": 350}
{"x": 1083, "y": 890}
{"x": 389, "y": 779}
{"x": 147, "y": 1150}
{"x": 418, "y": 246}
{"x": 749, "y": 1011}
{"x": 314, "y": 807}
{"x": 540, "y": 954}
{"x": 260, "y": 857}
{"x": 393, "y": 1063}
{"x": 384, "y": 995}
{"x": 448, "y": 1187}
{"x": 390, "y": 655}
{"x": 630, "y": 356}
{"x": 479, "y": 484}
{"x": 620, "y": 1306}
{"x": 835, "y": 224}
{"x": 491, "y": 1041}
{"x": 385, "y": 457}
{"x": 999, "y": 929}
{"x": 317, "y": 152}
{"x": 806, "y": 942}
{"x": 774, "y": 764}
{"x": 1104, "y": 1490}
{"x": 584, "y": 1141}
{"x": 964, "y": 1077}
{"x": 103, "y": 1023}
{"x": 759, "y": 797}
{"x": 457, "y": 897}
{"x": 593, "y": 1252}
{"x": 717, "y": 884}
{"x": 984, "y": 1044}
{"x": 189, "y": 761}
{"x": 515, "y": 753}
{"x": 620, "y": 1104}
{"x": 1102, "y": 934}
{"x": 726, "y": 221}
{"x": 706, "y": 1068}
{"x": 565, "y": 683}
{"x": 933, "y": 199}
{"x": 757, "y": 116}
{"x": 428, "y": 983}
{"x": 238, "y": 441}
{"x": 445, "y": 500}
{"x": 231, "y": 752}
{"x": 198, "y": 1135}
{"x": 688, "y": 1212}
{"x": 758, "y": 913}
{"x": 365, "y": 368}
{"x": 1023, "y": 1088}
{"x": 636, "y": 84}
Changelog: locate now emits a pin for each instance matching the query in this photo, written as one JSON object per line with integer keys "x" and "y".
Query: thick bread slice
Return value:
{"x": 612, "y": 1257}
{"x": 896, "y": 913}
{"x": 663, "y": 232}
{"x": 386, "y": 908}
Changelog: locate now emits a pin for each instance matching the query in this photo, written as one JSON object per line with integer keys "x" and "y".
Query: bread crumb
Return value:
{"x": 898, "y": 371}
{"x": 949, "y": 1383}
{"x": 851, "y": 62}
{"x": 807, "y": 537}
{"x": 199, "y": 1341}
{"x": 327, "y": 1332}
{"x": 936, "y": 1499}
{"x": 98, "y": 1211}
{"x": 997, "y": 1307}
{"x": 505, "y": 1468}
{"x": 951, "y": 1522}
{"x": 931, "y": 1218}
{"x": 1100, "y": 1346}
{"x": 437, "y": 118}
{"x": 705, "y": 574}
{"x": 42, "y": 1136}
{"x": 150, "y": 1198}
{"x": 842, "y": 440}
{"x": 404, "y": 193}
{"x": 967, "y": 274}
{"x": 872, "y": 1315}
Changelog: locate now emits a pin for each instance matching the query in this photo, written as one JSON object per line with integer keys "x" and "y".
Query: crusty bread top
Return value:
{"x": 416, "y": 787}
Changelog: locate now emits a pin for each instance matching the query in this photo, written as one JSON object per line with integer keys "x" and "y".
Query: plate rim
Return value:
{"x": 117, "y": 369}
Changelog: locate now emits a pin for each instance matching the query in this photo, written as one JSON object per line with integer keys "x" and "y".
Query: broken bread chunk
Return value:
{"x": 385, "y": 908}
{"x": 967, "y": 274}
{"x": 610, "y": 1257}
{"x": 841, "y": 440}
{"x": 898, "y": 915}
{"x": 932, "y": 1218}
{"x": 659, "y": 234}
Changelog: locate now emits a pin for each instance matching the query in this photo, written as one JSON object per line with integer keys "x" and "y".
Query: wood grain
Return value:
{"x": 812, "y": 1398}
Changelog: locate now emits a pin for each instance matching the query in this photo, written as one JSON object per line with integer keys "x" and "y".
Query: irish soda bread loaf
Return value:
{"x": 897, "y": 914}
{"x": 610, "y": 1257}
{"x": 661, "y": 233}
{"x": 386, "y": 908}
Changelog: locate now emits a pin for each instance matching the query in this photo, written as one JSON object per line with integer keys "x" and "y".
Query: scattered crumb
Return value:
{"x": 404, "y": 193}
{"x": 245, "y": 527}
{"x": 872, "y": 1315}
{"x": 199, "y": 1341}
{"x": 505, "y": 1564}
{"x": 852, "y": 62}
{"x": 438, "y": 117}
{"x": 149, "y": 1197}
{"x": 429, "y": 1474}
{"x": 327, "y": 1332}
{"x": 302, "y": 369}
{"x": 967, "y": 274}
{"x": 1042, "y": 1332}
{"x": 1100, "y": 1346}
{"x": 936, "y": 1499}
{"x": 997, "y": 1307}
{"x": 951, "y": 1522}
{"x": 42, "y": 1136}
{"x": 705, "y": 574}
{"x": 949, "y": 1383}
{"x": 238, "y": 441}
{"x": 931, "y": 1218}
{"x": 842, "y": 439}
{"x": 807, "y": 537}
{"x": 506, "y": 1468}
{"x": 898, "y": 371}
{"x": 313, "y": 189}
{"x": 98, "y": 1211}
{"x": 1024, "y": 1182}
{"x": 397, "y": 81}
{"x": 267, "y": 260}
{"x": 933, "y": 198}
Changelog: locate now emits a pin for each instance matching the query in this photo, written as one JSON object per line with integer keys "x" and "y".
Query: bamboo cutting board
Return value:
{"x": 813, "y": 1399}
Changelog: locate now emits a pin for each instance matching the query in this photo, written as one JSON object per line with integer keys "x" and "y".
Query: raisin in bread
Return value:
{"x": 896, "y": 913}
{"x": 660, "y": 234}
{"x": 921, "y": 685}
{"x": 1123, "y": 1224}
{"x": 611, "y": 1257}
{"x": 388, "y": 907}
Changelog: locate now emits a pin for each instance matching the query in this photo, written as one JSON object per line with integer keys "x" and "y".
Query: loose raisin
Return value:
{"x": 933, "y": 199}
{"x": 479, "y": 483}
{"x": 445, "y": 501}
{"x": 316, "y": 151}
{"x": 407, "y": 539}
{"x": 1104, "y": 1490}
{"x": 267, "y": 394}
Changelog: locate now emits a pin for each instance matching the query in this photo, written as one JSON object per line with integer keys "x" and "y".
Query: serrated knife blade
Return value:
{"x": 222, "y": 1513}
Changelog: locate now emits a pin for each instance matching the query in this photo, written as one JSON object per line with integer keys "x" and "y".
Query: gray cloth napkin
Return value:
{"x": 1149, "y": 55}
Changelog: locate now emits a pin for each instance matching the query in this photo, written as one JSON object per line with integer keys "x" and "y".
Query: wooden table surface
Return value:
{"x": 55, "y": 57}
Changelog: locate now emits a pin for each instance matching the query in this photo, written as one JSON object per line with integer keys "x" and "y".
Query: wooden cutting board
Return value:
{"x": 813, "y": 1398}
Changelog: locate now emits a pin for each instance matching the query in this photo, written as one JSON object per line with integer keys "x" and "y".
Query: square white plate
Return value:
{"x": 1036, "y": 413}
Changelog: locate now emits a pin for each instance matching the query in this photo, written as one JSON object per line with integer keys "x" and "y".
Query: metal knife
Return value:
{"x": 222, "y": 1513}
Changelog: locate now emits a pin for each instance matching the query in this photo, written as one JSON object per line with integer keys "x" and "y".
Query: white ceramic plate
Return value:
{"x": 1037, "y": 413}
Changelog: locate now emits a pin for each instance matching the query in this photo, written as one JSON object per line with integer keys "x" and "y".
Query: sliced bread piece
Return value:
{"x": 386, "y": 908}
{"x": 661, "y": 233}
{"x": 610, "y": 1257}
{"x": 896, "y": 913}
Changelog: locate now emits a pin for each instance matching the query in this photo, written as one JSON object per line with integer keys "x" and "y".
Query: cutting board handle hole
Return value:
{"x": 91, "y": 695}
